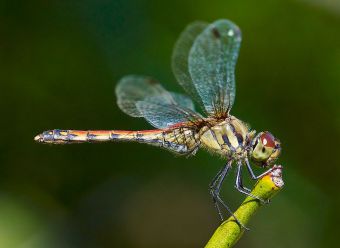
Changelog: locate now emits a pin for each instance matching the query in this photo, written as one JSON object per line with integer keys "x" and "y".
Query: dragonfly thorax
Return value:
{"x": 228, "y": 137}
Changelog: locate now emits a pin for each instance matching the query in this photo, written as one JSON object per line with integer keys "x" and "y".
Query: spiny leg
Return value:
{"x": 239, "y": 184}
{"x": 252, "y": 174}
{"x": 212, "y": 187}
{"x": 239, "y": 180}
{"x": 215, "y": 188}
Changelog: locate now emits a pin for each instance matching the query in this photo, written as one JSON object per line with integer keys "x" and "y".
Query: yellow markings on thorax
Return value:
{"x": 227, "y": 130}
{"x": 240, "y": 127}
{"x": 226, "y": 137}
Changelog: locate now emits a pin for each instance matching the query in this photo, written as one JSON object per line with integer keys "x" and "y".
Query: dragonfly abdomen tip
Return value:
{"x": 38, "y": 138}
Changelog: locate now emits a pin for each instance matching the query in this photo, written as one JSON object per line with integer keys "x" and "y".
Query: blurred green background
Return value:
{"x": 59, "y": 63}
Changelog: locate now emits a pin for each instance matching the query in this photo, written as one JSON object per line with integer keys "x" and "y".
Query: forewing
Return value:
{"x": 141, "y": 96}
{"x": 211, "y": 62}
{"x": 179, "y": 62}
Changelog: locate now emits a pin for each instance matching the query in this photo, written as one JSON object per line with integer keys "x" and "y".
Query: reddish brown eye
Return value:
{"x": 268, "y": 140}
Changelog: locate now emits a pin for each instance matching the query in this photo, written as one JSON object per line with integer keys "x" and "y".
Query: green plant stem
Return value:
{"x": 229, "y": 232}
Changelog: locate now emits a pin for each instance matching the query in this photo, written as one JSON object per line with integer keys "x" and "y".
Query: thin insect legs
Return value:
{"x": 216, "y": 184}
{"x": 239, "y": 184}
{"x": 215, "y": 188}
{"x": 212, "y": 187}
{"x": 251, "y": 172}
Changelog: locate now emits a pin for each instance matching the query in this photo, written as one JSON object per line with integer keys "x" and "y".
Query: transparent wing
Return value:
{"x": 180, "y": 54}
{"x": 163, "y": 114}
{"x": 211, "y": 62}
{"x": 141, "y": 96}
{"x": 131, "y": 89}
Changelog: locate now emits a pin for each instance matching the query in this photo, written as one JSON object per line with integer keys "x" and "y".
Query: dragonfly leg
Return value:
{"x": 252, "y": 174}
{"x": 215, "y": 188}
{"x": 240, "y": 180}
{"x": 239, "y": 185}
{"x": 212, "y": 186}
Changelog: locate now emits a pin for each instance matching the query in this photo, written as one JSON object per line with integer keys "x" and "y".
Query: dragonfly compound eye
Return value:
{"x": 268, "y": 140}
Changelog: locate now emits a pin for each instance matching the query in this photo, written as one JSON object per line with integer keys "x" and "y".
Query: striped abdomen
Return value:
{"x": 177, "y": 140}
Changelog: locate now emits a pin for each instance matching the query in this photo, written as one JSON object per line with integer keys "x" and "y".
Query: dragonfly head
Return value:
{"x": 265, "y": 149}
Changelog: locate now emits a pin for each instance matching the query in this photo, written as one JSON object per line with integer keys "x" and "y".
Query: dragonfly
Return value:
{"x": 203, "y": 62}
